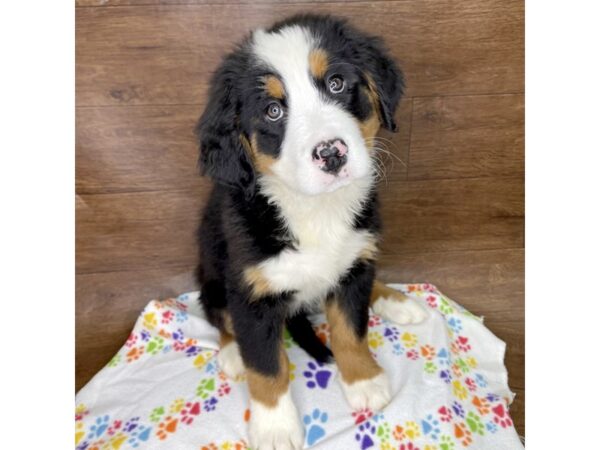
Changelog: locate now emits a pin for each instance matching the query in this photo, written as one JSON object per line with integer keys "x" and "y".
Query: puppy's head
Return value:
{"x": 299, "y": 102}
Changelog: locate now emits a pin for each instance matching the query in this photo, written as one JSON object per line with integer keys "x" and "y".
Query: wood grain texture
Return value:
{"x": 86, "y": 3}
{"x": 467, "y": 136}
{"x": 165, "y": 54}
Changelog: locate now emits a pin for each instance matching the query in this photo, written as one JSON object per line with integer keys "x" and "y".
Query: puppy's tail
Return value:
{"x": 303, "y": 333}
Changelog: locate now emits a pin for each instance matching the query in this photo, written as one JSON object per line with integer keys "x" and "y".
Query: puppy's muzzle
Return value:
{"x": 330, "y": 155}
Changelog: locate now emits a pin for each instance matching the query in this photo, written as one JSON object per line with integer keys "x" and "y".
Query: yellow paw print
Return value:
{"x": 292, "y": 371}
{"x": 459, "y": 390}
{"x": 430, "y": 447}
{"x": 177, "y": 405}
{"x": 375, "y": 339}
{"x": 471, "y": 362}
{"x": 411, "y": 429}
{"x": 150, "y": 320}
{"x": 116, "y": 441}
{"x": 409, "y": 339}
{"x": 386, "y": 446}
{"x": 202, "y": 359}
{"x": 79, "y": 432}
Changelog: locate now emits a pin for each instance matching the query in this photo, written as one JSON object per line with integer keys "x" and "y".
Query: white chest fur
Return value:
{"x": 327, "y": 243}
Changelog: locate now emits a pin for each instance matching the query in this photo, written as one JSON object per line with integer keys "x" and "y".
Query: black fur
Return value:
{"x": 240, "y": 227}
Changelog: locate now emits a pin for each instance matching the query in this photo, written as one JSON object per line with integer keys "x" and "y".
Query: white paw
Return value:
{"x": 277, "y": 428}
{"x": 230, "y": 360}
{"x": 373, "y": 393}
{"x": 402, "y": 312}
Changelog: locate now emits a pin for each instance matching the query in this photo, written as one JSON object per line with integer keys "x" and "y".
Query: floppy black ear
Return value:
{"x": 386, "y": 79}
{"x": 222, "y": 154}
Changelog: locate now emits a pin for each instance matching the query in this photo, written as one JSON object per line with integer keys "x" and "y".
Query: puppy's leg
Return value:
{"x": 394, "y": 306}
{"x": 365, "y": 384}
{"x": 229, "y": 358}
{"x": 274, "y": 421}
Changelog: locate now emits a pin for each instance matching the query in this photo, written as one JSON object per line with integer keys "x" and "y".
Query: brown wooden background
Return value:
{"x": 454, "y": 216}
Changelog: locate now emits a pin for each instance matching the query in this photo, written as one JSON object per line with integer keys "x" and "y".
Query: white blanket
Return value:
{"x": 164, "y": 390}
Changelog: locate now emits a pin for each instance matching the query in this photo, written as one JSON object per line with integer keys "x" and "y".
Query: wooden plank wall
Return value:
{"x": 453, "y": 207}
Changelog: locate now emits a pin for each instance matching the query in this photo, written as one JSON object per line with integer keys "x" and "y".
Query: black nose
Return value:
{"x": 330, "y": 155}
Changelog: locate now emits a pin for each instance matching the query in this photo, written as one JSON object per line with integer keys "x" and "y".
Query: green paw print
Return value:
{"x": 384, "y": 432}
{"x": 430, "y": 367}
{"x": 155, "y": 345}
{"x": 445, "y": 307}
{"x": 205, "y": 388}
{"x": 462, "y": 365}
{"x": 156, "y": 414}
{"x": 288, "y": 341}
{"x": 475, "y": 424}
{"x": 114, "y": 360}
{"x": 446, "y": 443}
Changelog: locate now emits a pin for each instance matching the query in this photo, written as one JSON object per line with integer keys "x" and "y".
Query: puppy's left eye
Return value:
{"x": 274, "y": 111}
{"x": 336, "y": 84}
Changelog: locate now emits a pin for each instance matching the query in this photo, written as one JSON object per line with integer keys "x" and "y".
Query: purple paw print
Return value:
{"x": 178, "y": 335}
{"x": 391, "y": 334}
{"x": 210, "y": 404}
{"x": 145, "y": 335}
{"x": 363, "y": 436}
{"x": 83, "y": 445}
{"x": 458, "y": 409}
{"x": 131, "y": 424}
{"x": 317, "y": 375}
{"x": 445, "y": 375}
{"x": 492, "y": 398}
{"x": 192, "y": 350}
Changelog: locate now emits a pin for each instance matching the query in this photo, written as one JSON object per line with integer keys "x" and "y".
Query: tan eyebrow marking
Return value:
{"x": 318, "y": 61}
{"x": 274, "y": 87}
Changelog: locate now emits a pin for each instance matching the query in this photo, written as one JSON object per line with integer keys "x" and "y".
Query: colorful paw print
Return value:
{"x": 288, "y": 341}
{"x": 131, "y": 340}
{"x": 314, "y": 426}
{"x": 99, "y": 427}
{"x": 501, "y": 416}
{"x": 114, "y": 361}
{"x": 412, "y": 354}
{"x": 446, "y": 375}
{"x": 431, "y": 427}
{"x": 189, "y": 412}
{"x": 317, "y": 375}
{"x": 384, "y": 432}
{"x": 411, "y": 429}
{"x": 375, "y": 340}
{"x": 431, "y": 301}
{"x": 474, "y": 423}
{"x": 462, "y": 433}
{"x": 459, "y": 390}
{"x": 446, "y": 443}
{"x": 491, "y": 427}
{"x": 391, "y": 334}
{"x": 156, "y": 414}
{"x": 135, "y": 353}
{"x": 463, "y": 343}
{"x": 167, "y": 427}
{"x": 139, "y": 434}
{"x": 430, "y": 367}
{"x": 408, "y": 446}
{"x": 445, "y": 414}
{"x": 374, "y": 320}
{"x": 471, "y": 385}
{"x": 409, "y": 339}
{"x": 210, "y": 404}
{"x": 480, "y": 380}
{"x": 177, "y": 405}
{"x": 167, "y": 317}
{"x": 361, "y": 415}
{"x": 155, "y": 345}
{"x": 443, "y": 357}
{"x": 205, "y": 388}
{"x": 193, "y": 350}
{"x": 427, "y": 352}
{"x": 115, "y": 426}
{"x": 398, "y": 349}
{"x": 482, "y": 405}
{"x": 79, "y": 432}
{"x": 224, "y": 389}
{"x": 364, "y": 435}
{"x": 455, "y": 324}
{"x": 322, "y": 332}
{"x": 445, "y": 307}
{"x": 458, "y": 409}
{"x": 150, "y": 320}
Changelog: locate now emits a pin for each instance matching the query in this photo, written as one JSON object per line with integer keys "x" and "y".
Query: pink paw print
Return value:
{"x": 224, "y": 389}
{"x": 412, "y": 354}
{"x": 191, "y": 410}
{"x": 167, "y": 316}
{"x": 361, "y": 415}
{"x": 471, "y": 384}
{"x": 445, "y": 414}
{"x": 501, "y": 416}
{"x": 131, "y": 340}
{"x": 463, "y": 343}
{"x": 374, "y": 321}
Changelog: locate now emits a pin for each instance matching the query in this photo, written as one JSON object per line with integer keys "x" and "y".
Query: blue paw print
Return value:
{"x": 491, "y": 427}
{"x": 455, "y": 324}
{"x": 364, "y": 435}
{"x": 139, "y": 435}
{"x": 181, "y": 316}
{"x": 98, "y": 428}
{"x": 480, "y": 380}
{"x": 430, "y": 427}
{"x": 313, "y": 422}
{"x": 166, "y": 349}
{"x": 443, "y": 357}
{"x": 458, "y": 409}
{"x": 183, "y": 298}
{"x": 211, "y": 368}
{"x": 391, "y": 334}
{"x": 210, "y": 404}
{"x": 445, "y": 375}
{"x": 317, "y": 375}
{"x": 398, "y": 349}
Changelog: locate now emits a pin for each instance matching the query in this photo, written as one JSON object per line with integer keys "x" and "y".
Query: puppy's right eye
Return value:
{"x": 274, "y": 112}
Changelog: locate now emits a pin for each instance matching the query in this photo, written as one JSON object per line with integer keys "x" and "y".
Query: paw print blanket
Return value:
{"x": 164, "y": 389}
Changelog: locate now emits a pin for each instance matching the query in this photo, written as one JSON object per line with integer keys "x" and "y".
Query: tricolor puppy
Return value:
{"x": 292, "y": 224}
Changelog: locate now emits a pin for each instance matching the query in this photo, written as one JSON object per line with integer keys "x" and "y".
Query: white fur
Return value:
{"x": 373, "y": 393}
{"x": 230, "y": 360}
{"x": 311, "y": 117}
{"x": 327, "y": 243}
{"x": 402, "y": 312}
{"x": 277, "y": 428}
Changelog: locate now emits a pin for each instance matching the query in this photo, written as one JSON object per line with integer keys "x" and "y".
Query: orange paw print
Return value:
{"x": 135, "y": 353}
{"x": 168, "y": 426}
{"x": 322, "y": 332}
{"x": 428, "y": 352}
{"x": 462, "y": 434}
{"x": 482, "y": 405}
{"x": 210, "y": 446}
{"x": 399, "y": 433}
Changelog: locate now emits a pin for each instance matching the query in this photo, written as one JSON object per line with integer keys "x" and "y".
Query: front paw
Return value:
{"x": 399, "y": 309}
{"x": 230, "y": 361}
{"x": 275, "y": 428}
{"x": 373, "y": 393}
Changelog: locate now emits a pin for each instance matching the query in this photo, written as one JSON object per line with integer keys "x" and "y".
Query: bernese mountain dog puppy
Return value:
{"x": 292, "y": 224}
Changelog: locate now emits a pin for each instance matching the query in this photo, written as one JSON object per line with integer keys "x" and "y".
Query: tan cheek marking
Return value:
{"x": 274, "y": 87}
{"x": 225, "y": 338}
{"x": 381, "y": 290}
{"x": 228, "y": 323}
{"x": 370, "y": 250}
{"x": 262, "y": 162}
{"x": 351, "y": 353}
{"x": 254, "y": 278}
{"x": 268, "y": 389}
{"x": 318, "y": 61}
